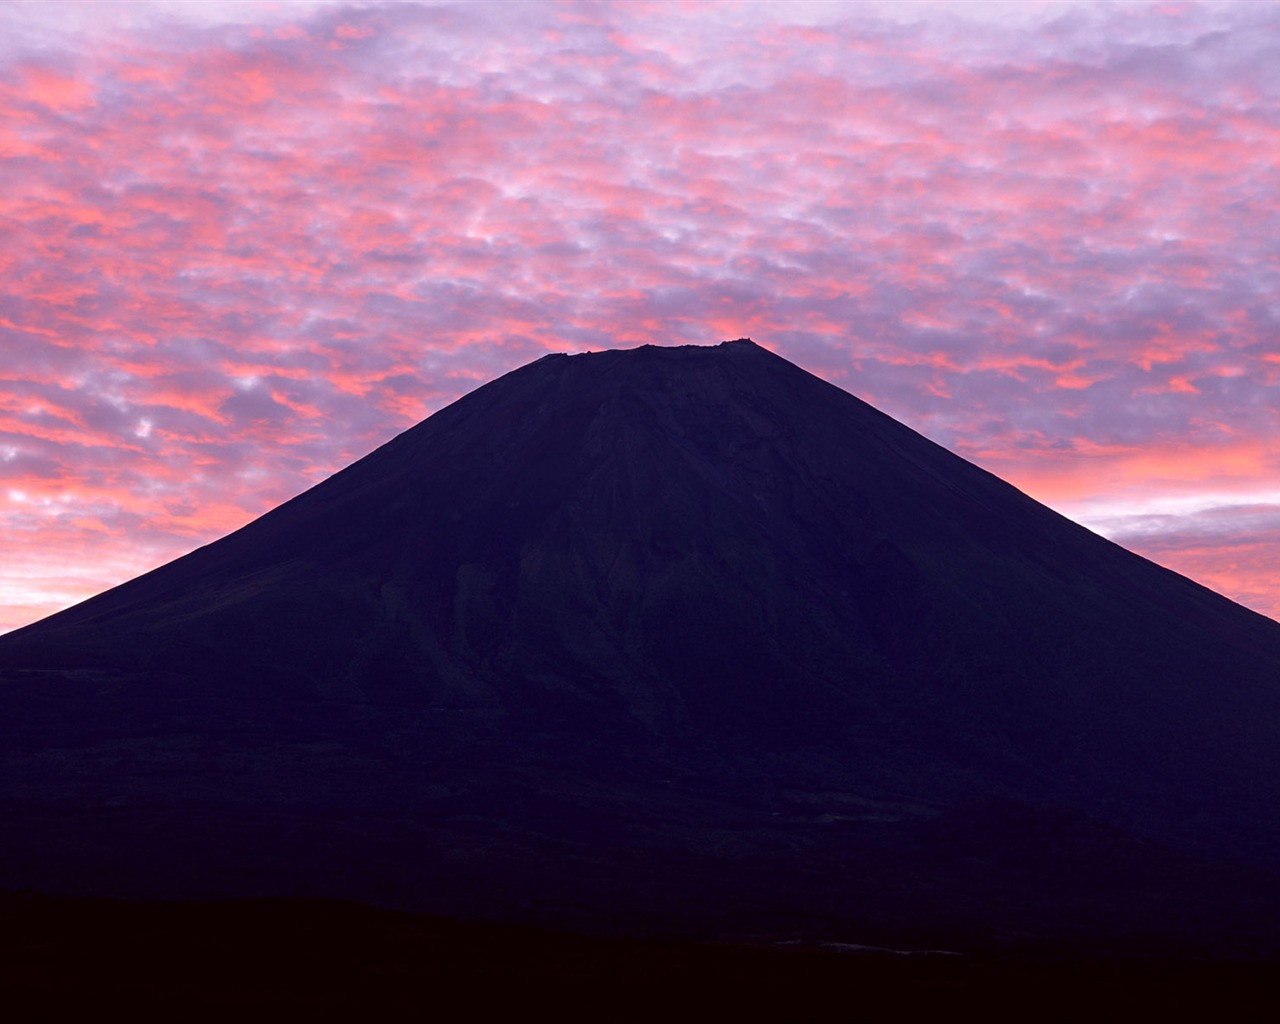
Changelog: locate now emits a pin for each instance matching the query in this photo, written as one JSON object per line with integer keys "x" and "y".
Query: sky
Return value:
{"x": 244, "y": 244}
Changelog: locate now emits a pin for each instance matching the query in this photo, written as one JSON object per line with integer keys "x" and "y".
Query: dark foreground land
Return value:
{"x": 100, "y": 960}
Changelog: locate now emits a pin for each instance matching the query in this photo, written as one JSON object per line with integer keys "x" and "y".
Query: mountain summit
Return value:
{"x": 677, "y": 638}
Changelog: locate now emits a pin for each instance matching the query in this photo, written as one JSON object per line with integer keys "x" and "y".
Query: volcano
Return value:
{"x": 669, "y": 639}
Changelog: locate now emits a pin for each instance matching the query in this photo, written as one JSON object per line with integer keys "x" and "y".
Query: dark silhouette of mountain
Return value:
{"x": 679, "y": 639}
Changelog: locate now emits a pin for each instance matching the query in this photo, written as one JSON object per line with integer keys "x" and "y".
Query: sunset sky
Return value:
{"x": 245, "y": 244}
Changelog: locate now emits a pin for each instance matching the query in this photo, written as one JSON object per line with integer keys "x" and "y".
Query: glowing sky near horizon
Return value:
{"x": 244, "y": 244}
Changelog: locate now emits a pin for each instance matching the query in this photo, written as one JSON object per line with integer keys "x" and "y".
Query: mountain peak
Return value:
{"x": 737, "y": 344}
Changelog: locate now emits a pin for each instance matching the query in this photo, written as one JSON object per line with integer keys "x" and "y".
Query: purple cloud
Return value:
{"x": 244, "y": 245}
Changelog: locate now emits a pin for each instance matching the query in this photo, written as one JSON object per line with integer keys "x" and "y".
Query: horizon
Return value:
{"x": 247, "y": 244}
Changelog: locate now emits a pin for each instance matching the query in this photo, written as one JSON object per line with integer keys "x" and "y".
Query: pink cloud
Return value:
{"x": 237, "y": 258}
{"x": 55, "y": 90}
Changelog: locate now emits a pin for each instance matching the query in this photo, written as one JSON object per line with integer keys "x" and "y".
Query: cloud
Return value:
{"x": 244, "y": 244}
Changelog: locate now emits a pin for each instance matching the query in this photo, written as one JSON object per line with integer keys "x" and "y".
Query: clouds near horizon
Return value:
{"x": 244, "y": 245}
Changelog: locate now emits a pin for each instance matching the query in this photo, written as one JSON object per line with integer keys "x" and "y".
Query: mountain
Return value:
{"x": 677, "y": 639}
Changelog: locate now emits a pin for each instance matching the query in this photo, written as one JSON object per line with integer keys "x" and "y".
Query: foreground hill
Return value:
{"x": 672, "y": 638}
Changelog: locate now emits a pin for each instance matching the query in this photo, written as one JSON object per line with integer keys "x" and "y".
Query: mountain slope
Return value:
{"x": 639, "y": 633}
